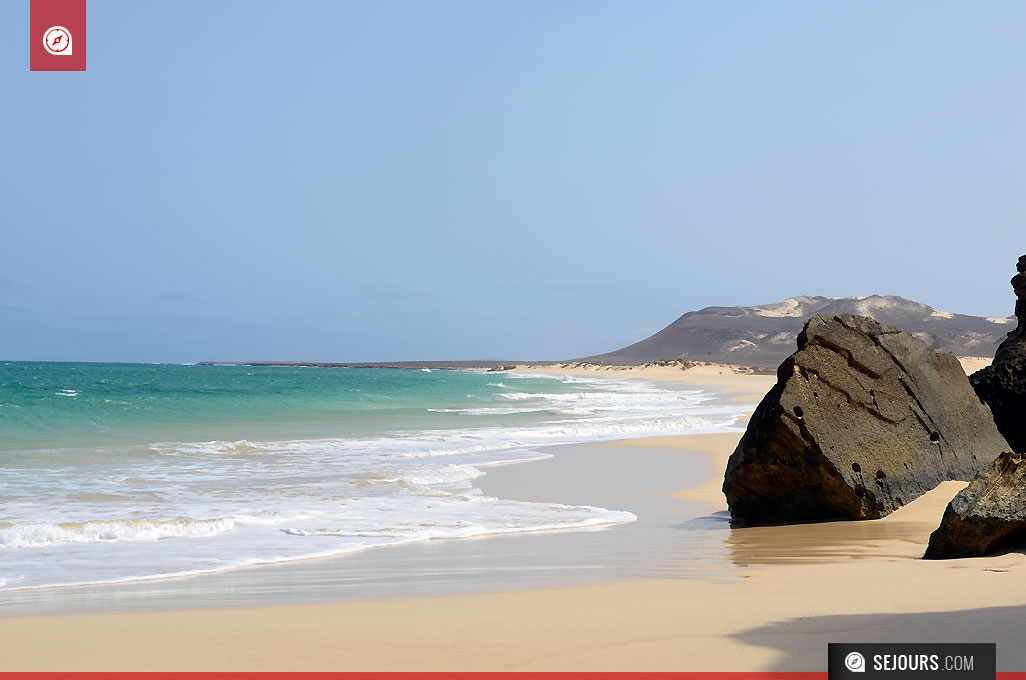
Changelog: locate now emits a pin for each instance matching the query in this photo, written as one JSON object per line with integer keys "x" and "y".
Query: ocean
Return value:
{"x": 125, "y": 472}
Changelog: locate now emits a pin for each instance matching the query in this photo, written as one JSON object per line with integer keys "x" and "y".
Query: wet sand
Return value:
{"x": 781, "y": 593}
{"x": 735, "y": 383}
{"x": 676, "y": 590}
{"x": 612, "y": 475}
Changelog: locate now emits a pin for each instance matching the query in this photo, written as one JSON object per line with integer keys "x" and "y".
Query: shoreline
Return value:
{"x": 789, "y": 591}
{"x": 713, "y": 598}
{"x": 735, "y": 384}
{"x": 611, "y": 408}
{"x": 517, "y": 560}
{"x": 670, "y": 368}
{"x": 222, "y": 576}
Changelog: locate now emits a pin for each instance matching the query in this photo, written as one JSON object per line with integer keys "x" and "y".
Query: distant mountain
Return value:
{"x": 765, "y": 335}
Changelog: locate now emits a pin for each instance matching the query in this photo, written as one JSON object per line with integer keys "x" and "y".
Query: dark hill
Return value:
{"x": 765, "y": 335}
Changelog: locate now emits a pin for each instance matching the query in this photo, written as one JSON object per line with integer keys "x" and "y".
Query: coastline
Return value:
{"x": 764, "y": 598}
{"x": 352, "y": 459}
{"x": 737, "y": 382}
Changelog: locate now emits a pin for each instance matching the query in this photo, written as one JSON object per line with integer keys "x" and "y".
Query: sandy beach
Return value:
{"x": 444, "y": 336}
{"x": 740, "y": 384}
{"x": 766, "y": 598}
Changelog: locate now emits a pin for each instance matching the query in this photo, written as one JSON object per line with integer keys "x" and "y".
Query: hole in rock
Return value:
{"x": 856, "y": 467}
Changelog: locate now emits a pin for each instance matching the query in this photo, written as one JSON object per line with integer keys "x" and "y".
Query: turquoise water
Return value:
{"x": 114, "y": 472}
{"x": 62, "y": 404}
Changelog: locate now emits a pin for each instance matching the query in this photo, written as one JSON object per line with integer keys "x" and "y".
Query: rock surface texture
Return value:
{"x": 987, "y": 515}
{"x": 1002, "y": 385}
{"x": 863, "y": 419}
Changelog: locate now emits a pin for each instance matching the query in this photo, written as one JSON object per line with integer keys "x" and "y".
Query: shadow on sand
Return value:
{"x": 803, "y": 642}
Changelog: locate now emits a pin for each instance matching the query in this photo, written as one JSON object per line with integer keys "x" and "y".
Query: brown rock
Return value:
{"x": 863, "y": 419}
{"x": 987, "y": 515}
{"x": 1002, "y": 385}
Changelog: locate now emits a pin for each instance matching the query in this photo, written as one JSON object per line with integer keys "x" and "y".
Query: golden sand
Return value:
{"x": 797, "y": 588}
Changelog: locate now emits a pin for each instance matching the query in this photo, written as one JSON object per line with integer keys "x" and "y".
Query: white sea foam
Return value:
{"x": 437, "y": 475}
{"x": 213, "y": 447}
{"x": 173, "y": 508}
{"x": 37, "y": 534}
{"x": 468, "y": 516}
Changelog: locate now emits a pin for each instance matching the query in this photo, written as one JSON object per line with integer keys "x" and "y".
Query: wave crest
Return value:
{"x": 38, "y": 534}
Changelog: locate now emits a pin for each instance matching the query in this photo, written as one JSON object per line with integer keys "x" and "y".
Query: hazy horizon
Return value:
{"x": 409, "y": 181}
{"x": 243, "y": 360}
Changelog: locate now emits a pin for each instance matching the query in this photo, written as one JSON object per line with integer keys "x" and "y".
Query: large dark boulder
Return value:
{"x": 863, "y": 419}
{"x": 1003, "y": 384}
{"x": 987, "y": 515}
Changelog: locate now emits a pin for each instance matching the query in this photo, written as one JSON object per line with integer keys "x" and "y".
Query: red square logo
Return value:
{"x": 58, "y": 35}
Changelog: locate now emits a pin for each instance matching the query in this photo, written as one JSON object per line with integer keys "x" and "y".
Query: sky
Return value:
{"x": 372, "y": 181}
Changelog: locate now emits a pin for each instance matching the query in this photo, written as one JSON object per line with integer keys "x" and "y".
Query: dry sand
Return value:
{"x": 790, "y": 591}
{"x": 733, "y": 380}
{"x": 972, "y": 364}
{"x": 740, "y": 386}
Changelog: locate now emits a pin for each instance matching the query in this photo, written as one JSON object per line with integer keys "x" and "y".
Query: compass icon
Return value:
{"x": 57, "y": 41}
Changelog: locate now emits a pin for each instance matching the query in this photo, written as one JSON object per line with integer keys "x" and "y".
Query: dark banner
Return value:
{"x": 954, "y": 661}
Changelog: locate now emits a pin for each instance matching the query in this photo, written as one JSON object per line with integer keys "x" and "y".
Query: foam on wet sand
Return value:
{"x": 777, "y": 597}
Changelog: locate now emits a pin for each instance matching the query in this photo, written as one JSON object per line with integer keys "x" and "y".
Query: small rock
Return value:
{"x": 987, "y": 515}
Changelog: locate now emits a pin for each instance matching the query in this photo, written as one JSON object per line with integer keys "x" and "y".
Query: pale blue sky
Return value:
{"x": 432, "y": 179}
